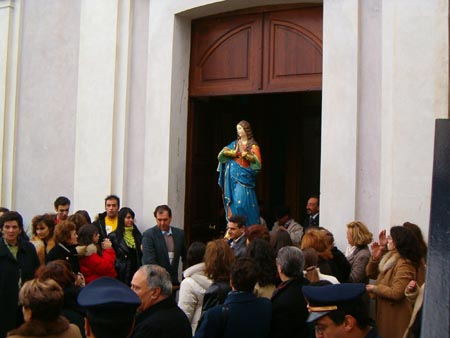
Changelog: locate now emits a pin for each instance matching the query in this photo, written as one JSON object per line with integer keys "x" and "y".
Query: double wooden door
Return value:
{"x": 234, "y": 57}
{"x": 263, "y": 52}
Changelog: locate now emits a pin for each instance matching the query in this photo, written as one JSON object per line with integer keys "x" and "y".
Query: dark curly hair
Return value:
{"x": 47, "y": 219}
{"x": 264, "y": 256}
{"x": 406, "y": 243}
{"x": 423, "y": 248}
{"x": 244, "y": 274}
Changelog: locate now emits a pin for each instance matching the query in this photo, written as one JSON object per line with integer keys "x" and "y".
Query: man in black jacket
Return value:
{"x": 18, "y": 262}
{"x": 158, "y": 315}
{"x": 106, "y": 222}
{"x": 289, "y": 311}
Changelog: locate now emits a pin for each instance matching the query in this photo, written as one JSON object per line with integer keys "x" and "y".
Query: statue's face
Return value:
{"x": 240, "y": 130}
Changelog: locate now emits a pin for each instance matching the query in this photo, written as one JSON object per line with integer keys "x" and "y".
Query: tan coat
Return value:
{"x": 59, "y": 328}
{"x": 393, "y": 273}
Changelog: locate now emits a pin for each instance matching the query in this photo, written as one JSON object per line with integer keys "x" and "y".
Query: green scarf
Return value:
{"x": 128, "y": 237}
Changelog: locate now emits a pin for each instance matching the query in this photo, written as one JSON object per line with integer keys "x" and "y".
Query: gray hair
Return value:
{"x": 291, "y": 261}
{"x": 158, "y": 277}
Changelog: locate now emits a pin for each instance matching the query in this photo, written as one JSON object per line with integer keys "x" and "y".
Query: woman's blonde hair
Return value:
{"x": 317, "y": 240}
{"x": 359, "y": 233}
{"x": 43, "y": 297}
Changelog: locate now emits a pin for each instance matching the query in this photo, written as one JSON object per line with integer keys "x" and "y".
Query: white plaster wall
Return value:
{"x": 10, "y": 23}
{"x": 369, "y": 114}
{"x": 339, "y": 116}
{"x": 414, "y": 94}
{"x": 401, "y": 87}
{"x": 133, "y": 193}
{"x": 45, "y": 137}
{"x": 98, "y": 137}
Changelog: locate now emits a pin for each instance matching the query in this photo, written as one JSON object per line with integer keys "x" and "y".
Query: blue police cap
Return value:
{"x": 324, "y": 299}
{"x": 108, "y": 293}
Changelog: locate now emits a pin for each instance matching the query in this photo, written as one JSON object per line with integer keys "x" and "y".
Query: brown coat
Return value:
{"x": 41, "y": 249}
{"x": 59, "y": 328}
{"x": 393, "y": 273}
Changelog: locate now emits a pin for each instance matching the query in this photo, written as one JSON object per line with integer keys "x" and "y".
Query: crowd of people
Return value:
{"x": 73, "y": 277}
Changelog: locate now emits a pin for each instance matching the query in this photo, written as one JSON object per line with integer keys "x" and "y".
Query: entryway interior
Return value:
{"x": 287, "y": 127}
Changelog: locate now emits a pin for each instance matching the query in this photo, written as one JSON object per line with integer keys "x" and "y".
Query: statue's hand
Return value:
{"x": 229, "y": 152}
{"x": 248, "y": 156}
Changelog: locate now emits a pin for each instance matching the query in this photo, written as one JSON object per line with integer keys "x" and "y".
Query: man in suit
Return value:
{"x": 236, "y": 232}
{"x": 164, "y": 245}
{"x": 312, "y": 211}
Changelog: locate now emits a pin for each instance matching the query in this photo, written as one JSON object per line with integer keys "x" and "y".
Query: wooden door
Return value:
{"x": 264, "y": 52}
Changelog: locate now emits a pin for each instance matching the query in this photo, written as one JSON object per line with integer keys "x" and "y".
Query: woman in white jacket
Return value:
{"x": 194, "y": 284}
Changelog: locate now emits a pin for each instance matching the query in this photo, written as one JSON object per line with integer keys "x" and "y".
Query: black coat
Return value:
{"x": 215, "y": 295}
{"x": 128, "y": 260}
{"x": 341, "y": 267}
{"x": 101, "y": 226}
{"x": 289, "y": 311}
{"x": 11, "y": 271}
{"x": 162, "y": 320}
{"x": 71, "y": 310}
{"x": 65, "y": 253}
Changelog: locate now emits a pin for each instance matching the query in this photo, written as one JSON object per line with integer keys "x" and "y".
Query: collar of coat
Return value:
{"x": 388, "y": 260}
{"x": 37, "y": 328}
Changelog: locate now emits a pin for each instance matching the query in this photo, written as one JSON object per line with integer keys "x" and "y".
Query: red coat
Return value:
{"x": 94, "y": 266}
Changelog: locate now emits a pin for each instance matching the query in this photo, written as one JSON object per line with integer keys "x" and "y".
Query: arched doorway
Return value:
{"x": 264, "y": 66}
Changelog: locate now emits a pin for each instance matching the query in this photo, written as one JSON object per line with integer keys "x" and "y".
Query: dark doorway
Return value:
{"x": 287, "y": 127}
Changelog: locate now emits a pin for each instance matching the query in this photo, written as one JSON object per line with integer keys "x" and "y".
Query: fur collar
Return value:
{"x": 38, "y": 328}
{"x": 86, "y": 250}
{"x": 388, "y": 260}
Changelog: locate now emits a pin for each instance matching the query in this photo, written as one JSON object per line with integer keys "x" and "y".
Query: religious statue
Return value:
{"x": 239, "y": 163}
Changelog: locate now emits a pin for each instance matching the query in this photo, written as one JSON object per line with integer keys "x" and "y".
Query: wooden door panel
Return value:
{"x": 226, "y": 55}
{"x": 293, "y": 52}
{"x": 264, "y": 52}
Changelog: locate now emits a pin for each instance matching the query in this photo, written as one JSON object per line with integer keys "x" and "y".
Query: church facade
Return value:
{"x": 95, "y": 99}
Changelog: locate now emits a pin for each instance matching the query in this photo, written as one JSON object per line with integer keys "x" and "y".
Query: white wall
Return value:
{"x": 399, "y": 52}
{"x": 46, "y": 105}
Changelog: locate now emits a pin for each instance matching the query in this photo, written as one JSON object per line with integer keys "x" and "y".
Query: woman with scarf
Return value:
{"x": 393, "y": 270}
{"x": 126, "y": 241}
